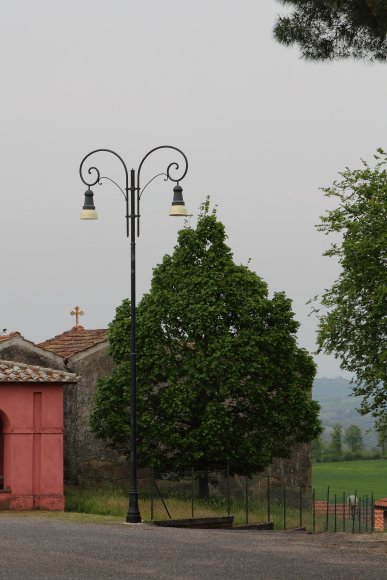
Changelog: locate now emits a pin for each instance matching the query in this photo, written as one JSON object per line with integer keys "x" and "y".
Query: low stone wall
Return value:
{"x": 379, "y": 520}
{"x": 343, "y": 511}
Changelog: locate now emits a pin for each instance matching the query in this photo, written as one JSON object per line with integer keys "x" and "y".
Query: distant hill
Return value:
{"x": 338, "y": 405}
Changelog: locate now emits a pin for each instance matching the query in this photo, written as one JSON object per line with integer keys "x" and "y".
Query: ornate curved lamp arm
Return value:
{"x": 170, "y": 166}
{"x": 92, "y": 169}
{"x": 112, "y": 180}
{"x": 167, "y": 174}
{"x": 150, "y": 181}
{"x": 139, "y": 195}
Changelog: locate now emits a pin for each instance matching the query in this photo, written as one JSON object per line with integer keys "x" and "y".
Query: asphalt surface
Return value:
{"x": 43, "y": 548}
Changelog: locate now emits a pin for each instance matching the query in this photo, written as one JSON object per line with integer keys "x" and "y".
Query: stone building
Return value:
{"x": 85, "y": 353}
{"x": 87, "y": 460}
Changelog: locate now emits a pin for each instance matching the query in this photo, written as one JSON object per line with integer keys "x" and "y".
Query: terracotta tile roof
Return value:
{"x": 9, "y": 335}
{"x": 12, "y": 372}
{"x": 75, "y": 340}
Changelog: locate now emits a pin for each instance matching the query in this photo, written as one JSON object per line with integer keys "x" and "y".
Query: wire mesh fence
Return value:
{"x": 214, "y": 493}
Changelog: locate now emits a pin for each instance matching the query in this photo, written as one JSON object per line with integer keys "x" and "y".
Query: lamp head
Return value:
{"x": 88, "y": 211}
{"x": 178, "y": 208}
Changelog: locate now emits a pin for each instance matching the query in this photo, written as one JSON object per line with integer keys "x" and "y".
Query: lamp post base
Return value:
{"x": 133, "y": 516}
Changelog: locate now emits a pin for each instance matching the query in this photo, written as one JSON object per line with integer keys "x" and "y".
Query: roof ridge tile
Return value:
{"x": 78, "y": 339}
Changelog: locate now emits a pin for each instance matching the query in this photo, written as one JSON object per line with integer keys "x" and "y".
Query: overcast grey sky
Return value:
{"x": 262, "y": 129}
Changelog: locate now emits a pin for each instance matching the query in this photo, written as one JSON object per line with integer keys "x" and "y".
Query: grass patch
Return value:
{"x": 114, "y": 502}
{"x": 365, "y": 477}
{"x": 61, "y": 516}
{"x": 100, "y": 501}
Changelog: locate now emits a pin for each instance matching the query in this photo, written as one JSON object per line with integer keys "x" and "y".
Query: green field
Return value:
{"x": 364, "y": 477}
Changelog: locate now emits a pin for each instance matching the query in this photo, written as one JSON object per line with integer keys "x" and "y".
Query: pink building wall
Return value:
{"x": 31, "y": 458}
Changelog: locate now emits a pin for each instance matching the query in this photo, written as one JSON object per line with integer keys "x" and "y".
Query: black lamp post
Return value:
{"x": 133, "y": 192}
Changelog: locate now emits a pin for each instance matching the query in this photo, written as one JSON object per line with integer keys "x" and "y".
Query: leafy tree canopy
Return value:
{"x": 221, "y": 379}
{"x": 336, "y": 445}
{"x": 381, "y": 433}
{"x": 334, "y": 29}
{"x": 353, "y": 437}
{"x": 353, "y": 325}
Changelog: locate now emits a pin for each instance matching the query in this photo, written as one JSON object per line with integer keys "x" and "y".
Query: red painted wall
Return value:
{"x": 32, "y": 426}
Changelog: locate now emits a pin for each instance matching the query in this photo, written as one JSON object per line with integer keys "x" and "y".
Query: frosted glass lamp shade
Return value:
{"x": 88, "y": 211}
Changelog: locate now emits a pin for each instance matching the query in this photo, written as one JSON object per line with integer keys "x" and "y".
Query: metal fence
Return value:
{"x": 262, "y": 499}
{"x": 345, "y": 512}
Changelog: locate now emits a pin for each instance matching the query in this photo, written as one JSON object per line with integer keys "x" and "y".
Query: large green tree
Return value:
{"x": 221, "y": 380}
{"x": 333, "y": 29}
{"x": 353, "y": 321}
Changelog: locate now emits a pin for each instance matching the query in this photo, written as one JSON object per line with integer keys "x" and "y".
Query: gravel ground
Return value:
{"x": 41, "y": 547}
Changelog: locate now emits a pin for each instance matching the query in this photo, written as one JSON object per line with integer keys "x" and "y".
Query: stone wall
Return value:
{"x": 295, "y": 471}
{"x": 32, "y": 356}
{"x": 87, "y": 459}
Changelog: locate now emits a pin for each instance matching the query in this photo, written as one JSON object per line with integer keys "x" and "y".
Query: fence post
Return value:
{"x": 344, "y": 511}
{"x": 268, "y": 499}
{"x": 192, "y": 491}
{"x": 247, "y": 500}
{"x": 301, "y": 504}
{"x": 354, "y": 513}
{"x": 366, "y": 514}
{"x": 372, "y": 512}
{"x": 284, "y": 506}
{"x": 314, "y": 509}
{"x": 228, "y": 489}
{"x": 327, "y": 514}
{"x": 151, "y": 494}
{"x": 162, "y": 499}
{"x": 335, "y": 513}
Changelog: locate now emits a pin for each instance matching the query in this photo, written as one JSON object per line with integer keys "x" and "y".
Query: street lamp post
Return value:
{"x": 132, "y": 194}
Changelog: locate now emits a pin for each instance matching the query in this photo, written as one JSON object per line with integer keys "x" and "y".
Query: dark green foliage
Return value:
{"x": 334, "y": 451}
{"x": 353, "y": 438}
{"x": 334, "y": 29}
{"x": 354, "y": 325}
{"x": 317, "y": 450}
{"x": 336, "y": 446}
{"x": 221, "y": 379}
{"x": 382, "y": 437}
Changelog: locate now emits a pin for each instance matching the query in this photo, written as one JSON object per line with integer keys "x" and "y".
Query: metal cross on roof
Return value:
{"x": 77, "y": 313}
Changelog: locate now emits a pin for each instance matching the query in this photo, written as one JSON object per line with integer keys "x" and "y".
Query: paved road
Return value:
{"x": 44, "y": 548}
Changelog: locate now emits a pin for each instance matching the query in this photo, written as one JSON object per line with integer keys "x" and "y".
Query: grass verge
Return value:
{"x": 114, "y": 502}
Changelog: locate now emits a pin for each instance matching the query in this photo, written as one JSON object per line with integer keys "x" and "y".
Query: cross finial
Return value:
{"x": 77, "y": 313}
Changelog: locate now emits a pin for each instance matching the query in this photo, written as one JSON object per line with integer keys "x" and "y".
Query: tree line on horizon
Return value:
{"x": 347, "y": 444}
